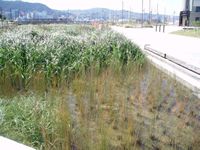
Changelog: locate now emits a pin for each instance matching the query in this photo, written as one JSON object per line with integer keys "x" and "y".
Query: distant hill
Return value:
{"x": 103, "y": 13}
{"x": 24, "y": 6}
{"x": 108, "y": 14}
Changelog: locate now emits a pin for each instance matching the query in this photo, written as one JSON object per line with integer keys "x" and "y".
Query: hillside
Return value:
{"x": 103, "y": 13}
{"x": 24, "y": 6}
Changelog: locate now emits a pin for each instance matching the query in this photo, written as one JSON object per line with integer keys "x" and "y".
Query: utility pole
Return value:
{"x": 149, "y": 11}
{"x": 10, "y": 14}
{"x": 157, "y": 14}
{"x": 164, "y": 16}
{"x": 174, "y": 18}
{"x": 142, "y": 13}
{"x": 130, "y": 16}
{"x": 102, "y": 16}
{"x": 122, "y": 12}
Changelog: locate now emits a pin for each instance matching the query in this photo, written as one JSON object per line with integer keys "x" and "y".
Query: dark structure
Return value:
{"x": 190, "y": 13}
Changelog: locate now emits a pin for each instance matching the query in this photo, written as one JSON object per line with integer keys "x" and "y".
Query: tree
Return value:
{"x": 2, "y": 17}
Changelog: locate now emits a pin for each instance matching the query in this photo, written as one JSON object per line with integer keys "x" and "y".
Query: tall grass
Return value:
{"x": 54, "y": 54}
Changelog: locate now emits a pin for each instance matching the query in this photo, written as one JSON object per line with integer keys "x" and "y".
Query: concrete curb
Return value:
{"x": 7, "y": 144}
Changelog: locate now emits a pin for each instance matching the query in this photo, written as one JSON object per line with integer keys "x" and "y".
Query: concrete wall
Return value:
{"x": 193, "y": 15}
{"x": 196, "y": 3}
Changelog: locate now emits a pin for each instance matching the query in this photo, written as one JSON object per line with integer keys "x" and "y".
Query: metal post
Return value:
{"x": 163, "y": 28}
{"x": 10, "y": 14}
{"x": 122, "y": 12}
{"x": 149, "y": 11}
{"x": 102, "y": 16}
{"x": 142, "y": 13}
{"x": 174, "y": 18}
{"x": 164, "y": 21}
{"x": 157, "y": 13}
{"x": 130, "y": 15}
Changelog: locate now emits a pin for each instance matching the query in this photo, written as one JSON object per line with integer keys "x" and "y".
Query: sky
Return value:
{"x": 164, "y": 6}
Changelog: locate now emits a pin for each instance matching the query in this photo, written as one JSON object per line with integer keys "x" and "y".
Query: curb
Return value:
{"x": 7, "y": 144}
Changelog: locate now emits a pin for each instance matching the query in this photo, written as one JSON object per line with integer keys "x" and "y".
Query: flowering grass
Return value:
{"x": 53, "y": 54}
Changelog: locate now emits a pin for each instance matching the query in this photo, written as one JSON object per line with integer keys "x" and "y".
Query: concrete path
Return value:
{"x": 185, "y": 49}
{"x": 7, "y": 144}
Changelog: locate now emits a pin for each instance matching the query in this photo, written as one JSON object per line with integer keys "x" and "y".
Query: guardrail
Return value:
{"x": 183, "y": 64}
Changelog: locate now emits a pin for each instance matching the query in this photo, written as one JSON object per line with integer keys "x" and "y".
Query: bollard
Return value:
{"x": 163, "y": 28}
{"x": 159, "y": 28}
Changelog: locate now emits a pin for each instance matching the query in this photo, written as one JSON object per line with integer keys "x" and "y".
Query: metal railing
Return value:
{"x": 178, "y": 62}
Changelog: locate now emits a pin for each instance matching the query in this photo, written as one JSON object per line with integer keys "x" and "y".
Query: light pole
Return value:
{"x": 164, "y": 21}
{"x": 157, "y": 14}
{"x": 174, "y": 17}
{"x": 149, "y": 11}
{"x": 122, "y": 12}
{"x": 142, "y": 13}
{"x": 11, "y": 14}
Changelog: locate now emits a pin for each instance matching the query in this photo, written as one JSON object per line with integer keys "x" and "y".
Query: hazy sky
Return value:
{"x": 165, "y": 6}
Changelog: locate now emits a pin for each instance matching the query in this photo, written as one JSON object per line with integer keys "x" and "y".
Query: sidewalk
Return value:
{"x": 186, "y": 49}
{"x": 7, "y": 144}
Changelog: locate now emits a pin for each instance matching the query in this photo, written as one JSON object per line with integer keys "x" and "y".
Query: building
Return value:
{"x": 190, "y": 13}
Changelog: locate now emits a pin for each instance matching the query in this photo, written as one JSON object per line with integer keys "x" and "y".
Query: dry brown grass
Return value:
{"x": 133, "y": 108}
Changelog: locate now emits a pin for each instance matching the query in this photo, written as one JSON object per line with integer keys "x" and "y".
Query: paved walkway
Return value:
{"x": 185, "y": 49}
{"x": 7, "y": 144}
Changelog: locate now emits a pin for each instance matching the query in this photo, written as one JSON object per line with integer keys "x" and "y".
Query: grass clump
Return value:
{"x": 189, "y": 32}
{"x": 26, "y": 116}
